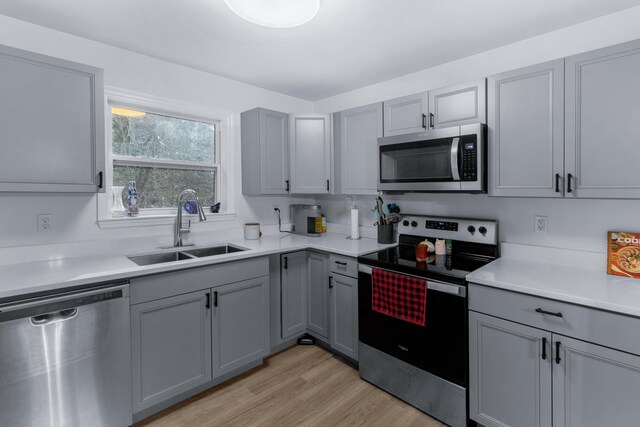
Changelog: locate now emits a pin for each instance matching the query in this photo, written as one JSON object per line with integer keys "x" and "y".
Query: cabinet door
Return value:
{"x": 405, "y": 115}
{"x": 318, "y": 294}
{"x": 356, "y": 150}
{"x": 274, "y": 152}
{"x": 593, "y": 385}
{"x": 526, "y": 131}
{"x": 601, "y": 115}
{"x": 240, "y": 324}
{"x": 310, "y": 153}
{"x": 171, "y": 345}
{"x": 458, "y": 105}
{"x": 509, "y": 373}
{"x": 293, "y": 280}
{"x": 52, "y": 121}
{"x": 344, "y": 315}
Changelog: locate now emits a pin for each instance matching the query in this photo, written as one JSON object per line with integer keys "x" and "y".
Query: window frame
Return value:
{"x": 172, "y": 108}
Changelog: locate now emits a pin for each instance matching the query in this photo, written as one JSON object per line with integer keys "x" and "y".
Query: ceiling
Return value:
{"x": 350, "y": 44}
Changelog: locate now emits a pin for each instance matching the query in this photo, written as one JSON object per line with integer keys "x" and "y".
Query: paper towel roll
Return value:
{"x": 355, "y": 231}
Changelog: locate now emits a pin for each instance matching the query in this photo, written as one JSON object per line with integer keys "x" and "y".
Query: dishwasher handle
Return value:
{"x": 60, "y": 316}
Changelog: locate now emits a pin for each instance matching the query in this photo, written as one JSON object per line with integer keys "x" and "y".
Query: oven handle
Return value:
{"x": 455, "y": 170}
{"x": 432, "y": 285}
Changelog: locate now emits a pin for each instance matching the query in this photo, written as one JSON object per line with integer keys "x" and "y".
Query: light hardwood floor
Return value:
{"x": 301, "y": 386}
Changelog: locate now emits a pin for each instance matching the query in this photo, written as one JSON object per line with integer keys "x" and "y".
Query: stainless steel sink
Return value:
{"x": 162, "y": 257}
{"x": 214, "y": 250}
{"x": 159, "y": 258}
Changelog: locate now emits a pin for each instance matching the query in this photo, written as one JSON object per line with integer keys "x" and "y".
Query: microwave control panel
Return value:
{"x": 469, "y": 158}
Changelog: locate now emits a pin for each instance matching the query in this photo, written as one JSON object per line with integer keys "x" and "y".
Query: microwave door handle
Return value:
{"x": 455, "y": 170}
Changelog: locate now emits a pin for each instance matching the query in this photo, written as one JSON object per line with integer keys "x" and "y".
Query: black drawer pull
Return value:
{"x": 558, "y": 352}
{"x": 341, "y": 263}
{"x": 286, "y": 182}
{"x": 569, "y": 178}
{"x": 215, "y": 299}
{"x": 330, "y": 282}
{"x": 431, "y": 116}
{"x": 550, "y": 313}
{"x": 285, "y": 263}
{"x": 208, "y": 304}
{"x": 544, "y": 348}
{"x": 100, "y": 176}
{"x": 557, "y": 183}
{"x": 424, "y": 121}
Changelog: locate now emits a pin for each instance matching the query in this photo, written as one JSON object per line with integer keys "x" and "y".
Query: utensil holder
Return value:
{"x": 385, "y": 234}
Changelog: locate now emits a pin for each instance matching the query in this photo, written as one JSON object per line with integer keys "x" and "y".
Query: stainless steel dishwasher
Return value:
{"x": 65, "y": 360}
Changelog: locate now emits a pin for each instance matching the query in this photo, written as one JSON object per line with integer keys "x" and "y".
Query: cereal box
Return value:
{"x": 623, "y": 254}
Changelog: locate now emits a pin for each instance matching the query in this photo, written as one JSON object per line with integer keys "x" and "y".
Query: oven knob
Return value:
{"x": 414, "y": 223}
{"x": 482, "y": 230}
{"x": 405, "y": 223}
{"x": 471, "y": 229}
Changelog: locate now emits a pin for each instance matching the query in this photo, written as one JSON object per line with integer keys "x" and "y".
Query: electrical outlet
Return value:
{"x": 540, "y": 223}
{"x": 45, "y": 222}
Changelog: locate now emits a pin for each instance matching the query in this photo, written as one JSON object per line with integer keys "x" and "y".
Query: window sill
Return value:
{"x": 152, "y": 220}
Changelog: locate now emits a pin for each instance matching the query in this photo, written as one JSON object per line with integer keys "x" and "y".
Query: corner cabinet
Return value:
{"x": 293, "y": 303}
{"x": 458, "y": 105}
{"x": 265, "y": 152}
{"x": 318, "y": 294}
{"x": 526, "y": 131}
{"x": 356, "y": 149}
{"x": 52, "y": 121}
{"x": 310, "y": 151}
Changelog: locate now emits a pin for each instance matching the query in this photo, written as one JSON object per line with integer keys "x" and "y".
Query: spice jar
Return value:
{"x": 422, "y": 251}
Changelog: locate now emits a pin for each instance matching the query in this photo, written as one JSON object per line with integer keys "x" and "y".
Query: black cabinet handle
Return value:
{"x": 569, "y": 189}
{"x": 100, "y": 175}
{"x": 557, "y": 183}
{"x": 558, "y": 353}
{"x": 424, "y": 121}
{"x": 431, "y": 117}
{"x": 285, "y": 263}
{"x": 215, "y": 299}
{"x": 544, "y": 348}
{"x": 327, "y": 185}
{"x": 550, "y": 313}
{"x": 341, "y": 263}
{"x": 286, "y": 183}
{"x": 330, "y": 283}
{"x": 208, "y": 304}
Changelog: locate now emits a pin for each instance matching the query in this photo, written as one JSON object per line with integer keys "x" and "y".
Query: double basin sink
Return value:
{"x": 162, "y": 257}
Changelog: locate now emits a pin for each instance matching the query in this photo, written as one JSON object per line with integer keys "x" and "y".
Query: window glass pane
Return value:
{"x": 140, "y": 134}
{"x": 160, "y": 187}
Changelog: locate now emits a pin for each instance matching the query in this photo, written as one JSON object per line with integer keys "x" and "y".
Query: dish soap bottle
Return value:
{"x": 132, "y": 199}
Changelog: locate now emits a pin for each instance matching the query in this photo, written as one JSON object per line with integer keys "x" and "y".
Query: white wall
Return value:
{"x": 575, "y": 224}
{"x": 75, "y": 216}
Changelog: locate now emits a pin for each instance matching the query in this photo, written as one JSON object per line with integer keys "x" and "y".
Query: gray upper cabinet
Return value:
{"x": 171, "y": 346}
{"x": 52, "y": 121}
{"x": 601, "y": 115}
{"x": 458, "y": 105}
{"x": 407, "y": 114}
{"x": 509, "y": 373}
{"x": 344, "y": 315}
{"x": 594, "y": 386}
{"x": 318, "y": 294}
{"x": 310, "y": 151}
{"x": 356, "y": 149}
{"x": 265, "y": 152}
{"x": 526, "y": 131}
{"x": 293, "y": 305}
{"x": 240, "y": 324}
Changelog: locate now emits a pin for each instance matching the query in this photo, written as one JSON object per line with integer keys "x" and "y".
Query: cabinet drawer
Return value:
{"x": 589, "y": 324}
{"x": 343, "y": 265}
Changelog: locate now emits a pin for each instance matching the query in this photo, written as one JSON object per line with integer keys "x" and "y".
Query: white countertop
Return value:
{"x": 570, "y": 276}
{"x": 52, "y": 276}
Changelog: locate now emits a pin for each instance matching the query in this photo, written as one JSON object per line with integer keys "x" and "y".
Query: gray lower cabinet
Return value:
{"x": 318, "y": 294}
{"x": 356, "y": 149}
{"x": 52, "y": 124}
{"x": 407, "y": 114}
{"x": 458, "y": 105}
{"x": 293, "y": 288}
{"x": 240, "y": 324}
{"x": 526, "y": 131}
{"x": 344, "y": 314}
{"x": 265, "y": 152}
{"x": 509, "y": 380}
{"x": 310, "y": 153}
{"x": 171, "y": 346}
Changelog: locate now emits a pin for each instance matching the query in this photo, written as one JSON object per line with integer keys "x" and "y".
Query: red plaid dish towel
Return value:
{"x": 399, "y": 296}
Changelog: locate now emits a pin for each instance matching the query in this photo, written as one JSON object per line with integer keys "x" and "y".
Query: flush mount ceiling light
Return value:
{"x": 275, "y": 13}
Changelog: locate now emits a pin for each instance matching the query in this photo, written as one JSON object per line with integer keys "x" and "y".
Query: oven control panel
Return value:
{"x": 464, "y": 229}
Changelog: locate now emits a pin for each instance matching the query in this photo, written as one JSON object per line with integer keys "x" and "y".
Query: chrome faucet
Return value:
{"x": 177, "y": 237}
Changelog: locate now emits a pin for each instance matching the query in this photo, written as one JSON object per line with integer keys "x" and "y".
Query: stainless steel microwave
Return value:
{"x": 441, "y": 160}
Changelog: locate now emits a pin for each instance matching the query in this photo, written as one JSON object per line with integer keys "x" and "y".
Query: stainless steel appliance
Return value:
{"x": 305, "y": 220}
{"x": 426, "y": 366}
{"x": 66, "y": 360}
{"x": 441, "y": 160}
